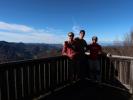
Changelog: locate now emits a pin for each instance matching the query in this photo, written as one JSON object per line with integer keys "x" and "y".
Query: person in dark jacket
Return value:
{"x": 82, "y": 47}
{"x": 82, "y": 43}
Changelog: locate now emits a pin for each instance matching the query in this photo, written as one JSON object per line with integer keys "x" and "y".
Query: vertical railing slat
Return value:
{"x": 39, "y": 77}
{"x": 7, "y": 83}
{"x": 47, "y": 81}
{"x": 131, "y": 76}
{"x": 34, "y": 78}
{"x": 67, "y": 69}
{"x": 25, "y": 80}
{"x": 49, "y": 74}
{"x": 22, "y": 81}
{"x": 57, "y": 75}
{"x": 3, "y": 85}
{"x": 44, "y": 76}
{"x": 0, "y": 85}
{"x": 15, "y": 81}
{"x": 11, "y": 83}
{"x": 37, "y": 92}
{"x": 28, "y": 76}
{"x": 0, "y": 94}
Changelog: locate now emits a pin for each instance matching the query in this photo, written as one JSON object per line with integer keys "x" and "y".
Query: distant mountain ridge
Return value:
{"x": 11, "y": 51}
{"x": 120, "y": 43}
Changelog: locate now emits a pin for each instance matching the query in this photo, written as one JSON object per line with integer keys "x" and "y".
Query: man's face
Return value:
{"x": 81, "y": 35}
{"x": 94, "y": 40}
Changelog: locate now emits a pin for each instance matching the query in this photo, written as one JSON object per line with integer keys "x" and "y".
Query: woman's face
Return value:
{"x": 70, "y": 37}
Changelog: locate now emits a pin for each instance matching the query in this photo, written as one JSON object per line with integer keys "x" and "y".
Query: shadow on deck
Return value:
{"x": 88, "y": 90}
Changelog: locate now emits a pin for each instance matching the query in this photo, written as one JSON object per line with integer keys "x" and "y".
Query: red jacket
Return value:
{"x": 95, "y": 50}
{"x": 69, "y": 49}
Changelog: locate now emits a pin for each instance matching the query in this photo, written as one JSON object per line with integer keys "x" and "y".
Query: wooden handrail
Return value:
{"x": 26, "y": 79}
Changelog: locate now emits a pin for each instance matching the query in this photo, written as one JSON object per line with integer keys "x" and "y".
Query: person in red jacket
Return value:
{"x": 94, "y": 62}
{"x": 70, "y": 50}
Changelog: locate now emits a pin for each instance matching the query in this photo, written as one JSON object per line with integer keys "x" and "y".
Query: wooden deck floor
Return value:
{"x": 86, "y": 90}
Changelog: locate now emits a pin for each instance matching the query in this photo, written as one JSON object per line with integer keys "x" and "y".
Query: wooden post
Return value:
{"x": 131, "y": 77}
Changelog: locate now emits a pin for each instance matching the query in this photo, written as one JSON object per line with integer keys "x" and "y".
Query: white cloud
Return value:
{"x": 31, "y": 38}
{"x": 11, "y": 33}
{"x": 76, "y": 29}
{"x": 15, "y": 27}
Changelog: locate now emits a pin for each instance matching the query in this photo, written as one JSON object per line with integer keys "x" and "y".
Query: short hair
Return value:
{"x": 82, "y": 31}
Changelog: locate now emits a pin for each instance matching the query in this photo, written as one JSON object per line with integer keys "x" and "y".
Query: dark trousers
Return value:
{"x": 83, "y": 64}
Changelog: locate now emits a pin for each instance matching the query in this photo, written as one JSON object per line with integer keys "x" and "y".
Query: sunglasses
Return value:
{"x": 70, "y": 35}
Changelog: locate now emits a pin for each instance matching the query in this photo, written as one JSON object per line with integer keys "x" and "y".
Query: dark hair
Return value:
{"x": 82, "y": 31}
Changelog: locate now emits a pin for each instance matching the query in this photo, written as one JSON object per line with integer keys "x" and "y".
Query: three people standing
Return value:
{"x": 75, "y": 49}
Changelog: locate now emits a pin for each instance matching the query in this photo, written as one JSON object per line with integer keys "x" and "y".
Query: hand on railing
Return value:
{"x": 109, "y": 55}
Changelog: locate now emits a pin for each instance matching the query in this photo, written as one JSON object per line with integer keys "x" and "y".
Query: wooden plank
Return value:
{"x": 36, "y": 79}
{"x": 53, "y": 76}
{"x": 47, "y": 77}
{"x": 31, "y": 79}
{"x": 41, "y": 77}
{"x": 25, "y": 80}
{"x": 11, "y": 83}
{"x": 3, "y": 85}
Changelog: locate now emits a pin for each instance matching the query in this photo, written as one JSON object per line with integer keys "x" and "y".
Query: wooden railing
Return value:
{"x": 119, "y": 67}
{"x": 24, "y": 80}
{"x": 28, "y": 79}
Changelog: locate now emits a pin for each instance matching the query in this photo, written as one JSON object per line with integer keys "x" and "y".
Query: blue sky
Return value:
{"x": 48, "y": 21}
